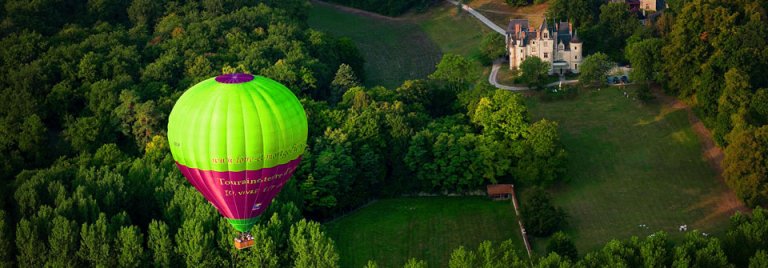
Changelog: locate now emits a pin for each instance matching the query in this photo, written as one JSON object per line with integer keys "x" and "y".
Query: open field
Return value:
{"x": 392, "y": 231}
{"x": 395, "y": 50}
{"x": 499, "y": 12}
{"x": 632, "y": 164}
{"x": 403, "y": 48}
{"x": 454, "y": 33}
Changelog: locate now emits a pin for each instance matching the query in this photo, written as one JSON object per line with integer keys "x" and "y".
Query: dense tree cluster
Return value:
{"x": 534, "y": 72}
{"x": 492, "y": 47}
{"x": 710, "y": 53}
{"x": 86, "y": 90}
{"x": 540, "y": 216}
{"x": 594, "y": 68}
{"x": 715, "y": 54}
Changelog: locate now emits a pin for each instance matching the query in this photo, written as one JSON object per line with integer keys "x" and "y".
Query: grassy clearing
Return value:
{"x": 454, "y": 33}
{"x": 394, "y": 230}
{"x": 499, "y": 12}
{"x": 395, "y": 50}
{"x": 631, "y": 164}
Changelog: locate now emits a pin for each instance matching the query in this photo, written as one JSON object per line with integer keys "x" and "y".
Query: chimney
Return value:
{"x": 517, "y": 28}
{"x": 570, "y": 27}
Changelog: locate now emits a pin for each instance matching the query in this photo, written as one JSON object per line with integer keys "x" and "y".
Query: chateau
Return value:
{"x": 558, "y": 45}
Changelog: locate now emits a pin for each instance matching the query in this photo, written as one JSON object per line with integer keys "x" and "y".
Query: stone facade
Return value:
{"x": 558, "y": 45}
{"x": 653, "y": 5}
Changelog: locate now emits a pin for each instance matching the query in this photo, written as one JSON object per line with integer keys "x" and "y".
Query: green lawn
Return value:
{"x": 458, "y": 34}
{"x": 394, "y": 50}
{"x": 631, "y": 164}
{"x": 402, "y": 48}
{"x": 391, "y": 231}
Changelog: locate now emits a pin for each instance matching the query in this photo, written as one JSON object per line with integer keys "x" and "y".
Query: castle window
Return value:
{"x": 546, "y": 55}
{"x": 575, "y": 66}
{"x": 575, "y": 47}
{"x": 576, "y": 57}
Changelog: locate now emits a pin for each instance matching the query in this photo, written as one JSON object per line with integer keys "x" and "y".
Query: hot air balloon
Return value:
{"x": 238, "y": 138}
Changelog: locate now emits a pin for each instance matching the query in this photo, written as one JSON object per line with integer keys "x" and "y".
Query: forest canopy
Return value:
{"x": 89, "y": 86}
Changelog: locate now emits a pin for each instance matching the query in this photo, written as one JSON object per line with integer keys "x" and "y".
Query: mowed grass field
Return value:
{"x": 500, "y": 12}
{"x": 457, "y": 33}
{"x": 395, "y": 50}
{"x": 631, "y": 164}
{"x": 403, "y": 48}
{"x": 391, "y": 231}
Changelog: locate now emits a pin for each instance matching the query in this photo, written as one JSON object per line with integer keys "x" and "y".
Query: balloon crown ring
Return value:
{"x": 234, "y": 78}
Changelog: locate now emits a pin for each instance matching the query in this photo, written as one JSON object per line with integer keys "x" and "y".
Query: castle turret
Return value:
{"x": 576, "y": 52}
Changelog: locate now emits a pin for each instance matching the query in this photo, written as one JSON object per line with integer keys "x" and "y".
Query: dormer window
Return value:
{"x": 546, "y": 35}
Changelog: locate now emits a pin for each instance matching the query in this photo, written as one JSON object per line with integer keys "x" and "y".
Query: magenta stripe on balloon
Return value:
{"x": 250, "y": 191}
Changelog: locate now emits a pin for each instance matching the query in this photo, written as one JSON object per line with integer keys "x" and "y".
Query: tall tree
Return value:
{"x": 746, "y": 236}
{"x": 195, "y": 244}
{"x": 561, "y": 244}
{"x": 461, "y": 258}
{"x": 160, "y": 244}
{"x": 583, "y": 12}
{"x": 6, "y": 258}
{"x": 746, "y": 165}
{"x": 502, "y": 116}
{"x": 544, "y": 159}
{"x": 30, "y": 252}
{"x": 534, "y": 71}
{"x": 645, "y": 57}
{"x": 455, "y": 70}
{"x": 129, "y": 245}
{"x": 595, "y": 68}
{"x": 553, "y": 260}
{"x": 311, "y": 247}
{"x": 732, "y": 105}
{"x": 96, "y": 243}
{"x": 492, "y": 47}
{"x": 63, "y": 240}
{"x": 540, "y": 217}
{"x": 759, "y": 260}
{"x": 699, "y": 251}
{"x": 657, "y": 250}
{"x": 344, "y": 80}
{"x": 263, "y": 255}
{"x": 415, "y": 263}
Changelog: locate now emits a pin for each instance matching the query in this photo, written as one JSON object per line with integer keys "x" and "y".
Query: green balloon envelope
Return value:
{"x": 238, "y": 138}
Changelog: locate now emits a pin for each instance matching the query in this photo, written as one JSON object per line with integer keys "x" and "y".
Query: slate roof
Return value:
{"x": 559, "y": 28}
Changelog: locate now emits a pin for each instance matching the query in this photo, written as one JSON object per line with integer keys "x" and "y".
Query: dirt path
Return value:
{"x": 727, "y": 203}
